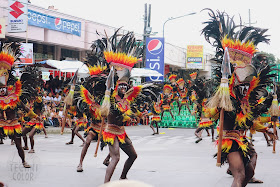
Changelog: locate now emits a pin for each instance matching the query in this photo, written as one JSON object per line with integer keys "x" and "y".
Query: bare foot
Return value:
{"x": 25, "y": 148}
{"x": 31, "y": 151}
{"x": 254, "y": 180}
{"x": 68, "y": 143}
{"x": 46, "y": 136}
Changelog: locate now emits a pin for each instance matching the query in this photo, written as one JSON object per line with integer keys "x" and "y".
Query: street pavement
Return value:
{"x": 165, "y": 160}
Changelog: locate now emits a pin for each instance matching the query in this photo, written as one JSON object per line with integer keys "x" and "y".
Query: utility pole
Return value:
{"x": 147, "y": 31}
{"x": 250, "y": 23}
{"x": 144, "y": 36}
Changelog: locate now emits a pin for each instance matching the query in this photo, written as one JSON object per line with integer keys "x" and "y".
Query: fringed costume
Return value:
{"x": 119, "y": 96}
{"x": 242, "y": 95}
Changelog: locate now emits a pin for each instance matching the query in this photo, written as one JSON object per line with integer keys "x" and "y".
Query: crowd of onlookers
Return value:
{"x": 54, "y": 92}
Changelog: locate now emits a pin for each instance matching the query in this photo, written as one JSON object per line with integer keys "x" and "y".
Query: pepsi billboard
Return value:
{"x": 54, "y": 23}
{"x": 155, "y": 57}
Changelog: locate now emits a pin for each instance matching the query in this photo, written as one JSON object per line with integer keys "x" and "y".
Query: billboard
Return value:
{"x": 2, "y": 27}
{"x": 17, "y": 16}
{"x": 155, "y": 57}
{"x": 194, "y": 57}
{"x": 26, "y": 50}
{"x": 38, "y": 19}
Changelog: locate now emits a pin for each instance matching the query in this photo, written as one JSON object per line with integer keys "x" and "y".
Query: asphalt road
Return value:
{"x": 169, "y": 159}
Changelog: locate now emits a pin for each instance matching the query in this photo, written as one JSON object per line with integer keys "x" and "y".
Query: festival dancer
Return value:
{"x": 116, "y": 106}
{"x": 71, "y": 106}
{"x": 155, "y": 112}
{"x": 80, "y": 122}
{"x": 166, "y": 99}
{"x": 35, "y": 125}
{"x": 236, "y": 98}
{"x": 13, "y": 94}
{"x": 173, "y": 82}
{"x": 183, "y": 94}
{"x": 201, "y": 92}
{"x": 91, "y": 92}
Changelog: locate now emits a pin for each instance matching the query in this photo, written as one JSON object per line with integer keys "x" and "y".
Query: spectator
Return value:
{"x": 49, "y": 98}
{"x": 57, "y": 99}
{"x": 45, "y": 95}
{"x": 48, "y": 87}
{"x": 56, "y": 84}
{"x": 55, "y": 117}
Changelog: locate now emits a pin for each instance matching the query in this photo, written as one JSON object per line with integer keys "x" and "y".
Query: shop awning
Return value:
{"x": 144, "y": 72}
{"x": 65, "y": 66}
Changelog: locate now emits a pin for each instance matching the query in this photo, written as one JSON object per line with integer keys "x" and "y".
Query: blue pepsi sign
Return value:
{"x": 155, "y": 57}
{"x": 54, "y": 23}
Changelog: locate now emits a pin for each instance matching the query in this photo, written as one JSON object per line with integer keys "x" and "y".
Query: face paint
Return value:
{"x": 3, "y": 91}
{"x": 122, "y": 88}
{"x": 4, "y": 75}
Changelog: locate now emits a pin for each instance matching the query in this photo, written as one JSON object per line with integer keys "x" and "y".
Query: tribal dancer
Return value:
{"x": 237, "y": 97}
{"x": 202, "y": 90}
{"x": 183, "y": 94}
{"x": 116, "y": 106}
{"x": 173, "y": 82}
{"x": 35, "y": 124}
{"x": 35, "y": 114}
{"x": 71, "y": 104}
{"x": 91, "y": 93}
{"x": 166, "y": 99}
{"x": 13, "y": 94}
{"x": 155, "y": 112}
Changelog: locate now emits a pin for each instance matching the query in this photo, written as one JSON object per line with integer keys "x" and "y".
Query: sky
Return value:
{"x": 184, "y": 31}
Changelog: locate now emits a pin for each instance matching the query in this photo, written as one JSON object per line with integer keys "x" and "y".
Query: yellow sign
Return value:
{"x": 194, "y": 57}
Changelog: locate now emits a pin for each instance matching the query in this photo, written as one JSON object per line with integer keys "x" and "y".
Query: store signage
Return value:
{"x": 155, "y": 57}
{"x": 2, "y": 27}
{"x": 26, "y": 50}
{"x": 194, "y": 57}
{"x": 17, "y": 16}
{"x": 38, "y": 19}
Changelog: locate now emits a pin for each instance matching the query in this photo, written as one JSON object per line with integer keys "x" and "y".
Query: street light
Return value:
{"x": 169, "y": 19}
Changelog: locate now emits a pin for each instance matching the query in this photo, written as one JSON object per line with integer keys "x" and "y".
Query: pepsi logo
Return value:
{"x": 57, "y": 23}
{"x": 155, "y": 46}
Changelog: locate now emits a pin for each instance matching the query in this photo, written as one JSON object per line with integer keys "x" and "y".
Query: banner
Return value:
{"x": 38, "y": 19}
{"x": 17, "y": 16}
{"x": 2, "y": 27}
{"x": 155, "y": 57}
{"x": 194, "y": 57}
{"x": 27, "y": 53}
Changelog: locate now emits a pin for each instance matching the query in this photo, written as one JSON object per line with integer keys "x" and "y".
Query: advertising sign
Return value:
{"x": 2, "y": 27}
{"x": 155, "y": 57}
{"x": 17, "y": 16}
{"x": 194, "y": 57}
{"x": 38, "y": 19}
{"x": 27, "y": 53}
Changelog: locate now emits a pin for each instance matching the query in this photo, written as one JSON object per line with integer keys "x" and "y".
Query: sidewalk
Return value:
{"x": 56, "y": 130}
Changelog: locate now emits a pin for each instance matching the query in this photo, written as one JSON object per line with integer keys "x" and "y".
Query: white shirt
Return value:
{"x": 48, "y": 98}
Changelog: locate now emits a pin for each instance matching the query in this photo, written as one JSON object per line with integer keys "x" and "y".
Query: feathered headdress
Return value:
{"x": 172, "y": 76}
{"x": 9, "y": 53}
{"x": 167, "y": 87}
{"x": 180, "y": 81}
{"x": 125, "y": 52}
{"x": 193, "y": 75}
{"x": 241, "y": 41}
